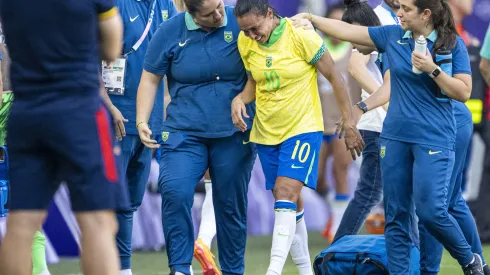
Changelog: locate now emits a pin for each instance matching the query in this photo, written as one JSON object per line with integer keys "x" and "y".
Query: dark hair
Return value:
{"x": 193, "y": 5}
{"x": 442, "y": 20}
{"x": 335, "y": 7}
{"x": 360, "y": 12}
{"x": 257, "y": 7}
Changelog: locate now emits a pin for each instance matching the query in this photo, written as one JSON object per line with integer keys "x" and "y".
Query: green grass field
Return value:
{"x": 257, "y": 260}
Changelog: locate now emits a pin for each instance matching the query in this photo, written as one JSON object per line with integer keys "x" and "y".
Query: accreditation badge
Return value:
{"x": 113, "y": 76}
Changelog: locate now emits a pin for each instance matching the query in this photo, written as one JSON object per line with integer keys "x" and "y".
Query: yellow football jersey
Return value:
{"x": 287, "y": 99}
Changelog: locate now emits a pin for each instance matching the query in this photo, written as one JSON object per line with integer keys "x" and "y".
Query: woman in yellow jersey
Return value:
{"x": 281, "y": 62}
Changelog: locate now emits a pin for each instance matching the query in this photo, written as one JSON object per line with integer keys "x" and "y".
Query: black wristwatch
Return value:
{"x": 362, "y": 106}
{"x": 435, "y": 73}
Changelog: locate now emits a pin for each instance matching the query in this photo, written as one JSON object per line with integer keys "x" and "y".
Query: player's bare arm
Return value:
{"x": 111, "y": 33}
{"x": 379, "y": 98}
{"x": 336, "y": 28}
{"x": 238, "y": 109}
{"x": 359, "y": 71}
{"x": 382, "y": 96}
{"x": 353, "y": 139}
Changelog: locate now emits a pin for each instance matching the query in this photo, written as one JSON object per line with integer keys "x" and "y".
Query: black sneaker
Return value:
{"x": 476, "y": 268}
{"x": 486, "y": 270}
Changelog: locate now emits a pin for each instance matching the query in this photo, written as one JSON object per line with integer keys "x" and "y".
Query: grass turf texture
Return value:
{"x": 257, "y": 259}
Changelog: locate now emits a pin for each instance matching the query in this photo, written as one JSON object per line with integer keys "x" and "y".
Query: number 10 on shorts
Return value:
{"x": 304, "y": 151}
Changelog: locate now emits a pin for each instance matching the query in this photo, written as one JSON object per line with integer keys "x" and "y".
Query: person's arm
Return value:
{"x": 111, "y": 34}
{"x": 145, "y": 99}
{"x": 382, "y": 96}
{"x": 379, "y": 98}
{"x": 353, "y": 140}
{"x": 459, "y": 85}
{"x": 238, "y": 109}
{"x": 339, "y": 29}
{"x": 157, "y": 62}
{"x": 104, "y": 95}
{"x": 485, "y": 58}
{"x": 485, "y": 70}
{"x": 166, "y": 97}
{"x": 359, "y": 71}
{"x": 117, "y": 117}
{"x": 248, "y": 93}
{"x": 311, "y": 48}
{"x": 326, "y": 67}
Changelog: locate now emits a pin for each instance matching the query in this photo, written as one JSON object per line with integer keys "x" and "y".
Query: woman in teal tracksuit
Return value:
{"x": 197, "y": 51}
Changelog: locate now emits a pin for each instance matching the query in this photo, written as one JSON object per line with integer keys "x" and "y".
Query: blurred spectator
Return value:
{"x": 480, "y": 205}
{"x": 460, "y": 10}
{"x": 476, "y": 23}
{"x": 485, "y": 58}
{"x": 316, "y": 7}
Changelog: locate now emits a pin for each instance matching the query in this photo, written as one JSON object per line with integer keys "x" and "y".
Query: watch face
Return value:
{"x": 436, "y": 72}
{"x": 363, "y": 106}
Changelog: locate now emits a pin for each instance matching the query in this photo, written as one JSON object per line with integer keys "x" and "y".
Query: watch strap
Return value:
{"x": 436, "y": 72}
{"x": 362, "y": 106}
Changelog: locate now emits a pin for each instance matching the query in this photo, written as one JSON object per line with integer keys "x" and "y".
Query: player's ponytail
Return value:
{"x": 361, "y": 13}
{"x": 442, "y": 20}
{"x": 257, "y": 7}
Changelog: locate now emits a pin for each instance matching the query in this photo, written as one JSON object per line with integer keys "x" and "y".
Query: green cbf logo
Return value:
{"x": 228, "y": 36}
{"x": 382, "y": 152}
{"x": 268, "y": 61}
{"x": 165, "y": 136}
{"x": 164, "y": 15}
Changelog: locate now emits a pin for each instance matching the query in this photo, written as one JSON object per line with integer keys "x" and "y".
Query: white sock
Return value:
{"x": 299, "y": 248}
{"x": 125, "y": 272}
{"x": 44, "y": 272}
{"x": 339, "y": 207}
{"x": 207, "y": 230}
{"x": 283, "y": 235}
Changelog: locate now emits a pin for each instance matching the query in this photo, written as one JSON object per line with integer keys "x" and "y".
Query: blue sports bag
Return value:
{"x": 359, "y": 255}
